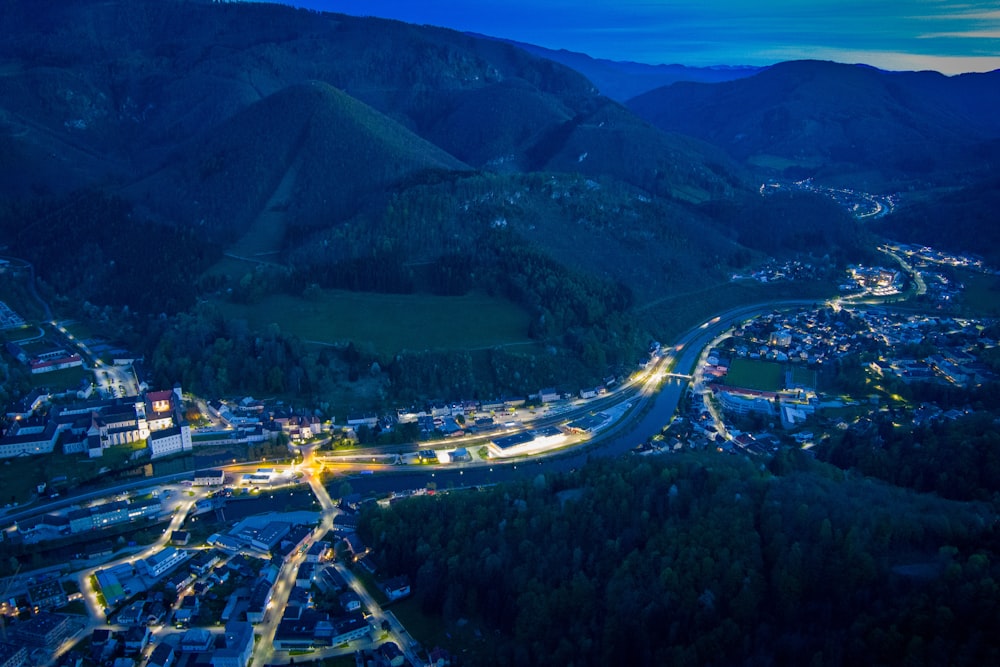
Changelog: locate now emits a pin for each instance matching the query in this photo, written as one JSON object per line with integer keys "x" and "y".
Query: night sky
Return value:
{"x": 943, "y": 35}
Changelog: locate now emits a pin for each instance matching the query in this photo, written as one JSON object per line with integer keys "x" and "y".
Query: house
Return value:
{"x": 303, "y": 579}
{"x": 319, "y": 551}
{"x": 162, "y": 656}
{"x": 391, "y": 655}
{"x": 349, "y": 627}
{"x": 188, "y": 609}
{"x": 204, "y": 561}
{"x": 302, "y": 628}
{"x": 132, "y": 614}
{"x": 260, "y": 597}
{"x": 201, "y": 588}
{"x": 196, "y": 640}
{"x": 354, "y": 544}
{"x": 136, "y": 638}
{"x": 349, "y": 601}
{"x": 345, "y": 523}
{"x": 237, "y": 646}
{"x": 155, "y": 613}
{"x": 331, "y": 580}
{"x": 299, "y": 597}
{"x": 295, "y": 538}
{"x": 210, "y": 478}
{"x": 461, "y": 455}
{"x": 548, "y": 395}
{"x": 180, "y": 537}
{"x": 397, "y": 587}
{"x": 170, "y": 441}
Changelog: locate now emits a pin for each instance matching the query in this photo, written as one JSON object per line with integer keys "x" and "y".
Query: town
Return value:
{"x": 228, "y": 535}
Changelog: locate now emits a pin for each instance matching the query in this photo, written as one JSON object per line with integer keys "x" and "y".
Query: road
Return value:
{"x": 264, "y": 650}
{"x": 653, "y": 390}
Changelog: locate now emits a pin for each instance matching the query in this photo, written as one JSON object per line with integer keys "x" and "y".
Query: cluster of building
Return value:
{"x": 861, "y": 205}
{"x": 8, "y": 318}
{"x": 908, "y": 348}
{"x": 42, "y": 633}
{"x": 86, "y": 519}
{"x": 775, "y": 271}
{"x": 45, "y": 361}
{"x": 873, "y": 280}
{"x": 91, "y": 426}
{"x": 925, "y": 256}
{"x": 231, "y": 648}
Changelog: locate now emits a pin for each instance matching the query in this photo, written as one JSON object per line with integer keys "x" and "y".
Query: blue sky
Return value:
{"x": 944, "y": 35}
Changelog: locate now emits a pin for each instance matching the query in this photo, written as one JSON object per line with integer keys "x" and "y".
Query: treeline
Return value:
{"x": 784, "y": 223}
{"x": 218, "y": 357}
{"x": 91, "y": 246}
{"x": 957, "y": 459}
{"x": 701, "y": 561}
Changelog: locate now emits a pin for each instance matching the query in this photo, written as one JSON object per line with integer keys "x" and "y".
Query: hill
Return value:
{"x": 339, "y": 153}
{"x": 623, "y": 80}
{"x": 291, "y": 152}
{"x": 970, "y": 214}
{"x": 162, "y": 78}
{"x": 828, "y": 120}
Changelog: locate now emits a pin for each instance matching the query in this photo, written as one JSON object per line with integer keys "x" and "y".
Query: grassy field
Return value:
{"x": 982, "y": 295}
{"x": 804, "y": 376}
{"x": 391, "y": 322}
{"x": 20, "y": 333}
{"x": 68, "y": 378}
{"x": 432, "y": 631}
{"x": 756, "y": 374}
{"x": 20, "y": 476}
{"x": 777, "y": 162}
{"x": 670, "y": 316}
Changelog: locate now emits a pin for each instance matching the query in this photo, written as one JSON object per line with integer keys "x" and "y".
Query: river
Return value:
{"x": 664, "y": 405}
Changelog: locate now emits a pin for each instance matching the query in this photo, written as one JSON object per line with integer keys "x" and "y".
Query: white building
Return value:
{"x": 170, "y": 441}
{"x": 163, "y": 560}
{"x": 210, "y": 478}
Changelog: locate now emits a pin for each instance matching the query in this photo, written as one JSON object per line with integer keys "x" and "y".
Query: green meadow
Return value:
{"x": 391, "y": 322}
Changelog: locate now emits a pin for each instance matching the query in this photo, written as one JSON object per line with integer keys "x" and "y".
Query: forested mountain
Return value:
{"x": 702, "y": 560}
{"x": 828, "y": 119}
{"x": 130, "y": 83}
{"x": 969, "y": 215}
{"x": 623, "y": 80}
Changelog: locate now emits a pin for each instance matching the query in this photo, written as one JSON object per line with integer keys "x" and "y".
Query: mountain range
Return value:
{"x": 375, "y": 155}
{"x": 848, "y": 122}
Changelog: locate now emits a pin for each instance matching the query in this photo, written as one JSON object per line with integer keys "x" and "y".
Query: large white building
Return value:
{"x": 163, "y": 560}
{"x": 170, "y": 441}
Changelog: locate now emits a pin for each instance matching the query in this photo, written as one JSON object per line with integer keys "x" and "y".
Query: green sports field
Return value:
{"x": 756, "y": 374}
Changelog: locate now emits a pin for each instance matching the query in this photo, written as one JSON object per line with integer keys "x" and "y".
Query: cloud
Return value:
{"x": 975, "y": 34}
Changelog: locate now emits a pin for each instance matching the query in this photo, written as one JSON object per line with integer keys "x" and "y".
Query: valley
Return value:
{"x": 333, "y": 340}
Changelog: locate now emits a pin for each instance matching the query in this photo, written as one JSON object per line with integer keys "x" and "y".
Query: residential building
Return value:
{"x": 162, "y": 561}
{"x": 210, "y": 478}
{"x": 45, "y": 630}
{"x": 162, "y": 656}
{"x": 397, "y": 587}
{"x": 12, "y": 655}
{"x": 237, "y": 646}
{"x": 47, "y": 595}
